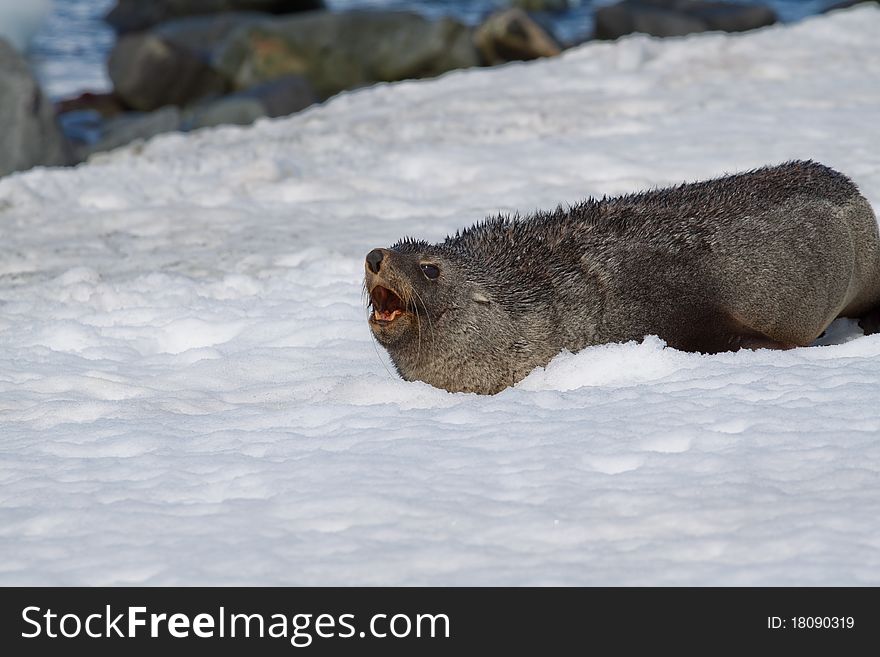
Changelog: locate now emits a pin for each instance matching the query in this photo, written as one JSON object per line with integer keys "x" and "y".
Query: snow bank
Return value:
{"x": 189, "y": 393}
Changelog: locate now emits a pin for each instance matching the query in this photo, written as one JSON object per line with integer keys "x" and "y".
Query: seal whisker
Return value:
{"x": 428, "y": 317}
{"x": 418, "y": 328}
{"x": 406, "y": 299}
{"x": 373, "y": 341}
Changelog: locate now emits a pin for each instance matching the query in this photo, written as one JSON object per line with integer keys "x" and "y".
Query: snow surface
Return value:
{"x": 189, "y": 393}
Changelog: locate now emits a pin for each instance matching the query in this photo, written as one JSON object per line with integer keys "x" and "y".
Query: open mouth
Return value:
{"x": 387, "y": 306}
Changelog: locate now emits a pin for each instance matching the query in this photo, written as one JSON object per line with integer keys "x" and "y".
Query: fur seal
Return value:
{"x": 762, "y": 259}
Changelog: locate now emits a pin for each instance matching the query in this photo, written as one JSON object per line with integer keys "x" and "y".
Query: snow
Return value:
{"x": 189, "y": 393}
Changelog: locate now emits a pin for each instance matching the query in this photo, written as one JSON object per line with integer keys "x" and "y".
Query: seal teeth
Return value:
{"x": 387, "y": 317}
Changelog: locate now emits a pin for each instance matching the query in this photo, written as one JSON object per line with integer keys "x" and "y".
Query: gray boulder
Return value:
{"x": 540, "y": 5}
{"x": 149, "y": 71}
{"x": 279, "y": 97}
{"x": 202, "y": 34}
{"x": 92, "y": 133}
{"x": 666, "y": 18}
{"x": 133, "y": 126}
{"x": 136, "y": 15}
{"x": 731, "y": 17}
{"x": 338, "y": 51}
{"x": 846, "y": 4}
{"x": 282, "y": 96}
{"x": 229, "y": 110}
{"x": 510, "y": 35}
{"x": 30, "y": 135}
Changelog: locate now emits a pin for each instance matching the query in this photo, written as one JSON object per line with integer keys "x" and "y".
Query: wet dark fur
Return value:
{"x": 767, "y": 258}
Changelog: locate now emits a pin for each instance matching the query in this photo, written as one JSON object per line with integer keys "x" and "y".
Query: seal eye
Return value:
{"x": 431, "y": 272}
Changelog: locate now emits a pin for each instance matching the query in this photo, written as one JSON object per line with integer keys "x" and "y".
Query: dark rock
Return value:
{"x": 540, "y": 5}
{"x": 229, "y": 110}
{"x": 510, "y": 35}
{"x": 280, "y": 97}
{"x": 30, "y": 135}
{"x": 92, "y": 133}
{"x": 665, "y": 18}
{"x": 133, "y": 126}
{"x": 846, "y": 4}
{"x": 202, "y": 34}
{"x": 135, "y": 15}
{"x": 338, "y": 51}
{"x": 283, "y": 96}
{"x": 730, "y": 17}
{"x": 149, "y": 72}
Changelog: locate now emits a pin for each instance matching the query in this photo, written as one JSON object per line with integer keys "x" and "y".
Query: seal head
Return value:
{"x": 473, "y": 313}
{"x": 424, "y": 308}
{"x": 408, "y": 291}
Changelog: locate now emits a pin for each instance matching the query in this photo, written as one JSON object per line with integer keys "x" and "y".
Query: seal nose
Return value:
{"x": 374, "y": 260}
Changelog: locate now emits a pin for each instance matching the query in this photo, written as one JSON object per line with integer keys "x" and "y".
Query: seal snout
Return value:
{"x": 374, "y": 260}
{"x": 389, "y": 293}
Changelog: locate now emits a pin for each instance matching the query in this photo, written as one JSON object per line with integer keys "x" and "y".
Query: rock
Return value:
{"x": 234, "y": 110}
{"x": 626, "y": 17}
{"x": 136, "y": 15}
{"x": 731, "y": 17}
{"x": 338, "y": 51}
{"x": 132, "y": 126}
{"x": 665, "y": 18}
{"x": 846, "y": 4}
{"x": 149, "y": 72}
{"x": 510, "y": 35}
{"x": 30, "y": 136}
{"x": 91, "y": 133}
{"x": 280, "y": 97}
{"x": 283, "y": 96}
{"x": 202, "y": 34}
{"x": 540, "y": 5}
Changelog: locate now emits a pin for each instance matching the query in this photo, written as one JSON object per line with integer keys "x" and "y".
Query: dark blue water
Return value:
{"x": 70, "y": 52}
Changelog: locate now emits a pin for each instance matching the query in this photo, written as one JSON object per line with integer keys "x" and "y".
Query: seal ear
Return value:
{"x": 479, "y": 297}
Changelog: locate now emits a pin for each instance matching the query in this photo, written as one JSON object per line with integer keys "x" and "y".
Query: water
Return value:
{"x": 69, "y": 53}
